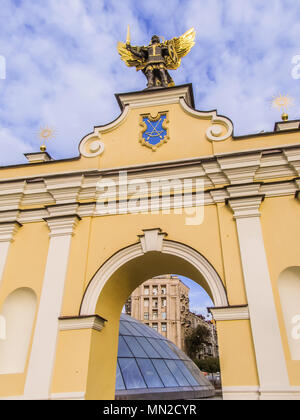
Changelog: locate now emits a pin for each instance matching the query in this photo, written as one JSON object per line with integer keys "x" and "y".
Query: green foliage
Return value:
{"x": 198, "y": 338}
{"x": 209, "y": 365}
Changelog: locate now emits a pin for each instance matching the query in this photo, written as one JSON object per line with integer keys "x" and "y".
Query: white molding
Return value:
{"x": 96, "y": 285}
{"x": 218, "y": 196}
{"x": 287, "y": 125}
{"x": 278, "y": 189}
{"x": 293, "y": 157}
{"x": 215, "y": 131}
{"x": 245, "y": 207}
{"x": 86, "y": 145}
{"x": 236, "y": 393}
{"x": 68, "y": 396}
{"x": 35, "y": 215}
{"x": 221, "y": 128}
{"x": 231, "y": 313}
{"x": 8, "y": 230}
{"x": 152, "y": 240}
{"x": 43, "y": 349}
{"x": 256, "y": 393}
{"x": 85, "y": 209}
{"x": 9, "y": 216}
{"x": 156, "y": 97}
{"x": 240, "y": 168}
{"x": 38, "y": 157}
{"x": 62, "y": 226}
{"x": 228, "y": 172}
{"x": 53, "y": 191}
{"x": 280, "y": 393}
{"x": 82, "y": 323}
{"x": 243, "y": 190}
{"x": 91, "y": 146}
{"x": 270, "y": 358}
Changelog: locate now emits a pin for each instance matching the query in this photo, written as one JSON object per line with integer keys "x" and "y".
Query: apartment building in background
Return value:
{"x": 163, "y": 304}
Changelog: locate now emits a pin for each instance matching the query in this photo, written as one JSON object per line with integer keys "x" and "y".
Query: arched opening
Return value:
{"x": 289, "y": 291}
{"x": 18, "y": 311}
{"x": 113, "y": 284}
{"x": 168, "y": 311}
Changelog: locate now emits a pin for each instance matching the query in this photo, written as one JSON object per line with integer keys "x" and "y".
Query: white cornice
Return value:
{"x": 231, "y": 313}
{"x": 246, "y": 206}
{"x": 156, "y": 97}
{"x": 8, "y": 230}
{"x": 38, "y": 157}
{"x": 212, "y": 196}
{"x": 233, "y": 176}
{"x": 63, "y": 225}
{"x": 243, "y": 190}
{"x": 94, "y": 322}
{"x": 9, "y": 216}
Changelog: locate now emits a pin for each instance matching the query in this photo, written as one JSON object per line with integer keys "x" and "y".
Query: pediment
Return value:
{"x": 188, "y": 133}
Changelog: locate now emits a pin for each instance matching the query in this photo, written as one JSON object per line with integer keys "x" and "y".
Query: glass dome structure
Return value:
{"x": 151, "y": 367}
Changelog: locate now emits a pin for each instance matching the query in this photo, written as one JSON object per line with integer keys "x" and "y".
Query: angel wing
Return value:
{"x": 179, "y": 47}
{"x": 130, "y": 59}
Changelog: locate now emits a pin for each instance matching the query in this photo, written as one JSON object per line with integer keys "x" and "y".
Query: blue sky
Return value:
{"x": 62, "y": 66}
{"x": 199, "y": 299}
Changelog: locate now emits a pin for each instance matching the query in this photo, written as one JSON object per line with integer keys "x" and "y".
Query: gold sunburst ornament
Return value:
{"x": 45, "y": 134}
{"x": 283, "y": 103}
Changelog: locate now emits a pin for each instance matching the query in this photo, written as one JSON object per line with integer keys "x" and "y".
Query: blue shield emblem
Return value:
{"x": 155, "y": 130}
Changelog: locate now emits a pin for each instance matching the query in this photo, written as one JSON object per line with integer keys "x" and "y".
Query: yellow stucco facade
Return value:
{"x": 82, "y": 265}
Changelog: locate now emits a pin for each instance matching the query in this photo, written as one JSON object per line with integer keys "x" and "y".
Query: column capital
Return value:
{"x": 8, "y": 230}
{"x": 244, "y": 207}
{"x": 94, "y": 322}
{"x": 230, "y": 313}
{"x": 62, "y": 225}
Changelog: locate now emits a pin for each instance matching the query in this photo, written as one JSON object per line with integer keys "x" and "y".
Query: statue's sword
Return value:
{"x": 128, "y": 36}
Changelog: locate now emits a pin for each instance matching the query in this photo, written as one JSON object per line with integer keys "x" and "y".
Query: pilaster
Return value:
{"x": 7, "y": 232}
{"x": 39, "y": 375}
{"x": 271, "y": 364}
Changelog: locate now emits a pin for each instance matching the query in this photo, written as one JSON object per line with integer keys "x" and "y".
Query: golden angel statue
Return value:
{"x": 157, "y": 58}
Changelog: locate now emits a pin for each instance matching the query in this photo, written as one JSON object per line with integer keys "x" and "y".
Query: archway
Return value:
{"x": 118, "y": 278}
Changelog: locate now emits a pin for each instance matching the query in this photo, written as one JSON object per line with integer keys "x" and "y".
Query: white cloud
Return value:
{"x": 63, "y": 68}
{"x": 11, "y": 146}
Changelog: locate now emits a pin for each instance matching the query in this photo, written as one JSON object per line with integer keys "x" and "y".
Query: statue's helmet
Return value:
{"x": 155, "y": 39}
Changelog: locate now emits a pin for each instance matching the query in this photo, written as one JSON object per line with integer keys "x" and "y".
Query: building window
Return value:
{"x": 155, "y": 326}
{"x": 164, "y": 303}
{"x": 163, "y": 290}
{"x": 155, "y": 303}
{"x": 146, "y": 315}
{"x": 163, "y": 327}
{"x": 146, "y": 290}
{"x": 155, "y": 290}
{"x": 154, "y": 314}
{"x": 164, "y": 315}
{"x": 146, "y": 303}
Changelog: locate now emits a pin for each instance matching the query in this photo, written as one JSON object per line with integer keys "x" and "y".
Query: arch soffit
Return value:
{"x": 153, "y": 240}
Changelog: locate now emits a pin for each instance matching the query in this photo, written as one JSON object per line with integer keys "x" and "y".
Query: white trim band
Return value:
{"x": 231, "y": 313}
{"x": 94, "y": 322}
